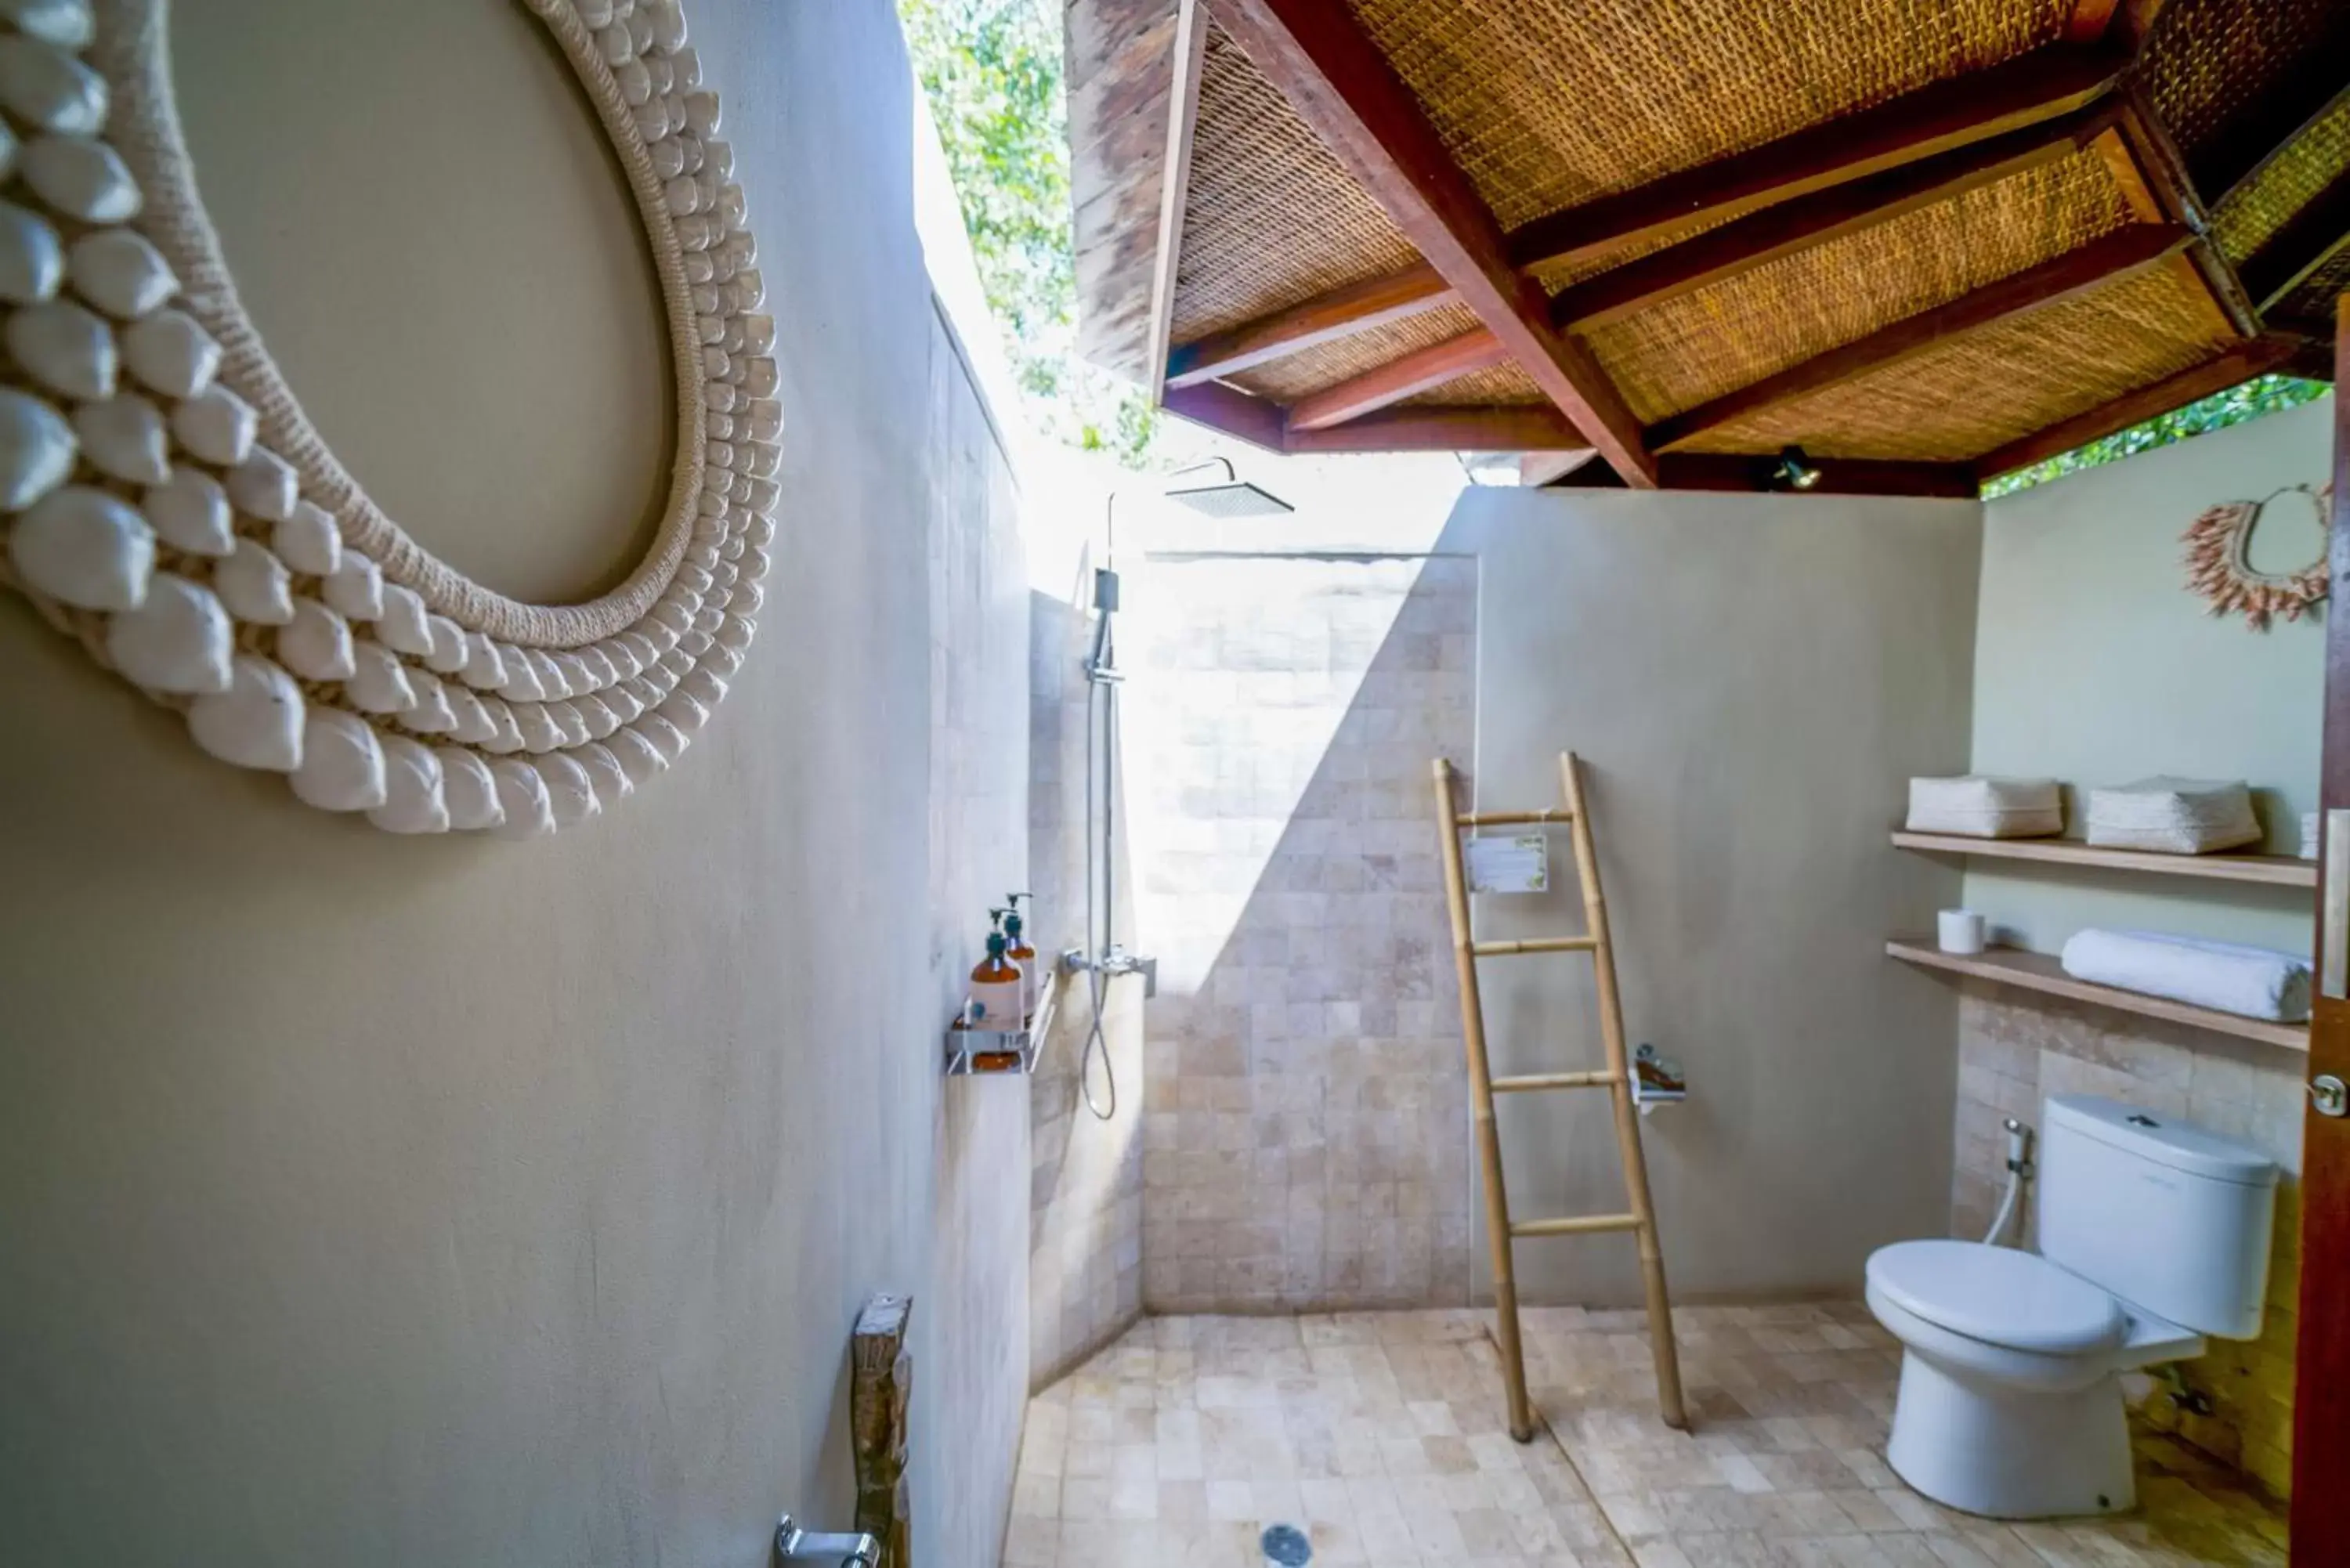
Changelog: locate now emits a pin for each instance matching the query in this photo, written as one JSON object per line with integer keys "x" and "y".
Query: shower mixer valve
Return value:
{"x": 1114, "y": 963}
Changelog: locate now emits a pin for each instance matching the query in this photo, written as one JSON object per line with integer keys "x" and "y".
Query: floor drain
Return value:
{"x": 1285, "y": 1546}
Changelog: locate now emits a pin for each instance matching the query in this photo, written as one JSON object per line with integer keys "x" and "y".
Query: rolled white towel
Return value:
{"x": 2254, "y": 982}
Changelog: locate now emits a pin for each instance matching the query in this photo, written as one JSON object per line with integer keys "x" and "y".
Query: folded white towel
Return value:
{"x": 2254, "y": 982}
{"x": 2174, "y": 816}
{"x": 2309, "y": 835}
{"x": 1979, "y": 806}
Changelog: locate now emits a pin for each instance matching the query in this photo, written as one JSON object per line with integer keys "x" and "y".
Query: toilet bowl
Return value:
{"x": 2154, "y": 1234}
{"x": 2010, "y": 1397}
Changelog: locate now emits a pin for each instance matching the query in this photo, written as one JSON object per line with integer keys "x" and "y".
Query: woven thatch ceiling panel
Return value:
{"x": 1684, "y": 352}
{"x": 2219, "y": 73}
{"x": 2254, "y": 211}
{"x": 1482, "y": 388}
{"x": 1548, "y": 103}
{"x": 1286, "y": 380}
{"x": 1989, "y": 387}
{"x": 1271, "y": 217}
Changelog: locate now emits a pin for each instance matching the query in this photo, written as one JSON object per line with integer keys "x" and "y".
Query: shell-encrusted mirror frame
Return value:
{"x": 168, "y": 504}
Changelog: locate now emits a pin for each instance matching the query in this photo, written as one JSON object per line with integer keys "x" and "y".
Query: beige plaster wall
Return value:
{"x": 377, "y": 1201}
{"x": 1750, "y": 680}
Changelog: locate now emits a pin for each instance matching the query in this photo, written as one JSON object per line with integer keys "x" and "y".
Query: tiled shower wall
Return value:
{"x": 1084, "y": 1277}
{"x": 2013, "y": 1053}
{"x": 1305, "y": 1121}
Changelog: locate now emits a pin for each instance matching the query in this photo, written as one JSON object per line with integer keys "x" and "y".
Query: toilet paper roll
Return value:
{"x": 1962, "y": 931}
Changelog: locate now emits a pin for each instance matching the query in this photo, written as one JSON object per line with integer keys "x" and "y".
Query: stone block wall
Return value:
{"x": 1306, "y": 1117}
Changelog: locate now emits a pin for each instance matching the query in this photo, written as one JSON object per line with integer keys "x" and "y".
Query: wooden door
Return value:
{"x": 2321, "y": 1443}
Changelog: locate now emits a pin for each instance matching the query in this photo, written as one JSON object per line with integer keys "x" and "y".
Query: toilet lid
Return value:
{"x": 1998, "y": 1295}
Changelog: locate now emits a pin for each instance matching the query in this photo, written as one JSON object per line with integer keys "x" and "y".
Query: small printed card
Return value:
{"x": 1519, "y": 865}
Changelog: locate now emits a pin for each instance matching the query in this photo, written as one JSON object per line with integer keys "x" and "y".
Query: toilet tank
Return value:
{"x": 2168, "y": 1217}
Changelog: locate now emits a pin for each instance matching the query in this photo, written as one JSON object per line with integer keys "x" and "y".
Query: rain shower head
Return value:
{"x": 1236, "y": 497}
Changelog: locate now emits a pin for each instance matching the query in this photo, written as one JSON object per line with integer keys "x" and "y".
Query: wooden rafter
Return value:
{"x": 2101, "y": 261}
{"x": 1339, "y": 83}
{"x": 1501, "y": 426}
{"x": 2283, "y": 144}
{"x": 2240, "y": 363}
{"x": 1175, "y": 180}
{"x": 1788, "y": 227}
{"x": 1396, "y": 380}
{"x": 1341, "y": 313}
{"x": 1933, "y": 120}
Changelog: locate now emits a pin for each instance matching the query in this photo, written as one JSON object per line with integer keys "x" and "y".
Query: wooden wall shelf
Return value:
{"x": 2041, "y": 972}
{"x": 2269, "y": 870}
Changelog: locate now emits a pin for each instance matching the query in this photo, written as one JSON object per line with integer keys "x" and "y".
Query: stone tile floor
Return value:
{"x": 1383, "y": 1435}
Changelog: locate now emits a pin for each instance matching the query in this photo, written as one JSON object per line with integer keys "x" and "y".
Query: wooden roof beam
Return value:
{"x": 1339, "y": 83}
{"x": 1788, "y": 227}
{"x": 1242, "y": 415}
{"x": 1399, "y": 379}
{"x": 2031, "y": 89}
{"x": 1325, "y": 318}
{"x": 1500, "y": 426}
{"x": 2240, "y": 363}
{"x": 2075, "y": 272}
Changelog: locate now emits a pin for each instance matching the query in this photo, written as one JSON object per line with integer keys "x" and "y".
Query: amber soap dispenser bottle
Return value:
{"x": 1023, "y": 956}
{"x": 996, "y": 985}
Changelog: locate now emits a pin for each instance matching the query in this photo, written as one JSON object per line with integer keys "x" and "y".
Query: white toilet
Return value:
{"x": 2152, "y": 1235}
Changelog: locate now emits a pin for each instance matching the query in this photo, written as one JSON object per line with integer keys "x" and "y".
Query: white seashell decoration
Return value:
{"x": 405, "y": 624}
{"x": 414, "y": 788}
{"x": 215, "y": 424}
{"x": 117, "y": 271}
{"x": 115, "y": 367}
{"x": 190, "y": 511}
{"x": 355, "y": 587}
{"x": 316, "y": 643}
{"x": 378, "y": 681}
{"x": 342, "y": 765}
{"x": 254, "y": 585}
{"x": 65, "y": 346}
{"x": 468, "y": 790}
{"x": 32, "y": 261}
{"x": 171, "y": 353}
{"x": 256, "y": 722}
{"x": 67, "y": 24}
{"x": 522, "y": 797}
{"x": 180, "y": 640}
{"x": 571, "y": 791}
{"x": 36, "y": 450}
{"x": 124, "y": 436}
{"x": 79, "y": 177}
{"x": 308, "y": 540}
{"x": 84, "y": 547}
{"x": 262, "y": 485}
{"x": 46, "y": 87}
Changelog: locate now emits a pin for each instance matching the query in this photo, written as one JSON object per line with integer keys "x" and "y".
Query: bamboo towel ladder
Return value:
{"x": 1616, "y": 1078}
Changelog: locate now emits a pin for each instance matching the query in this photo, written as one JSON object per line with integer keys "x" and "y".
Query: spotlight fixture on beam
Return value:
{"x": 1795, "y": 471}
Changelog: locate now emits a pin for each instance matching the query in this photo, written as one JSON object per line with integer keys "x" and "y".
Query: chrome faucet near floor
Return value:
{"x": 1383, "y": 1436}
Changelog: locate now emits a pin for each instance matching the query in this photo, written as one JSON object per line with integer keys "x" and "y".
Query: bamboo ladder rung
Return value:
{"x": 1574, "y": 1225}
{"x": 1615, "y": 1077}
{"x": 1535, "y": 945}
{"x": 1550, "y": 814}
{"x": 1528, "y": 1082}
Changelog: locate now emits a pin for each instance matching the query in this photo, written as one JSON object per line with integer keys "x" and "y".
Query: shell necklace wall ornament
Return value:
{"x": 2220, "y": 563}
{"x": 166, "y": 503}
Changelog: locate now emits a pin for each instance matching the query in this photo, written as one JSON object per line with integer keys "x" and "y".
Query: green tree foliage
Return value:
{"x": 2261, "y": 395}
{"x": 992, "y": 69}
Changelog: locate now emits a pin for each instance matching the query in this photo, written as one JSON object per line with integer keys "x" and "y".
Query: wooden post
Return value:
{"x": 1481, "y": 1100}
{"x": 881, "y": 1379}
{"x": 1661, "y": 1343}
